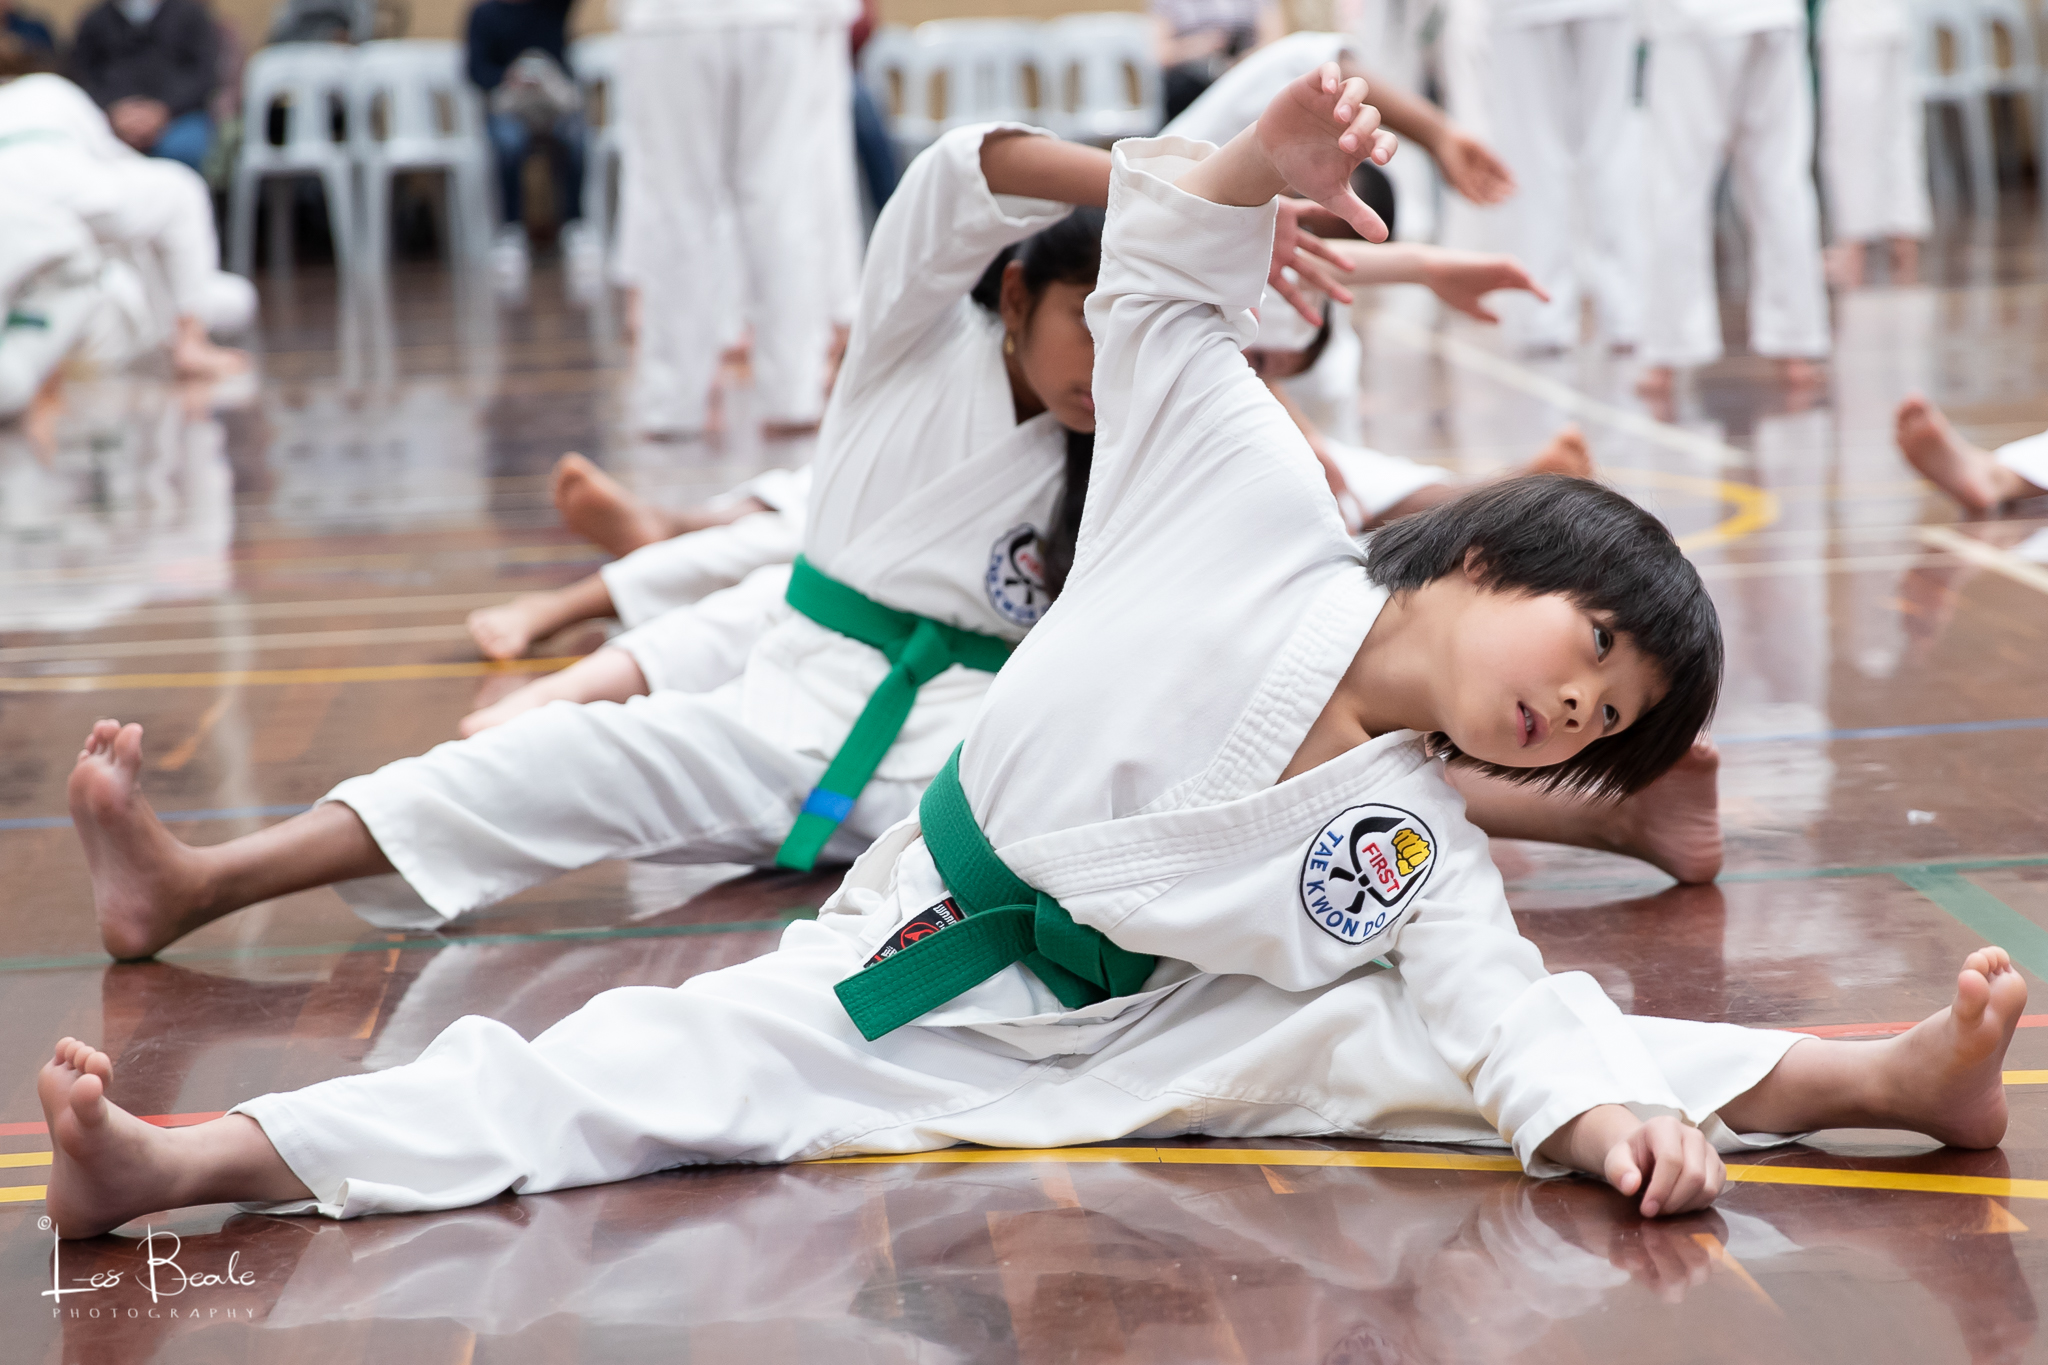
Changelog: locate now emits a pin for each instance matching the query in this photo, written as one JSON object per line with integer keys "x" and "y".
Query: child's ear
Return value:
{"x": 1014, "y": 301}
{"x": 1475, "y": 564}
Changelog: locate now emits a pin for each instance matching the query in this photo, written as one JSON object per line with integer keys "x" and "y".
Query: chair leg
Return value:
{"x": 342, "y": 219}
{"x": 1982, "y": 153}
{"x": 242, "y": 223}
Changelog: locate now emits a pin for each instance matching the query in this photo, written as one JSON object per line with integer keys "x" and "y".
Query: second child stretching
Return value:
{"x": 1196, "y": 868}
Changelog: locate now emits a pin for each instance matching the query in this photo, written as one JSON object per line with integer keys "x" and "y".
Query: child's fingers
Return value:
{"x": 1521, "y": 279}
{"x": 1292, "y": 292}
{"x": 1360, "y": 132}
{"x": 1350, "y": 99}
{"x": 1621, "y": 1170}
{"x": 1353, "y": 210}
{"x": 1384, "y": 145}
{"x": 1313, "y": 273}
{"x": 1667, "y": 1164}
{"x": 1329, "y": 76}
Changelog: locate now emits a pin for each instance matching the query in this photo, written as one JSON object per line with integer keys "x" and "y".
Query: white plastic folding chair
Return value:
{"x": 2012, "y": 60}
{"x": 412, "y": 108}
{"x": 899, "y": 74}
{"x": 1105, "y": 80}
{"x": 595, "y": 61}
{"x": 305, "y": 87}
{"x": 1948, "y": 59}
{"x": 991, "y": 68}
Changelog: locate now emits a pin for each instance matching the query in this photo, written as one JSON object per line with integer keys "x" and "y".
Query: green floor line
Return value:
{"x": 1984, "y": 914}
{"x": 429, "y": 945}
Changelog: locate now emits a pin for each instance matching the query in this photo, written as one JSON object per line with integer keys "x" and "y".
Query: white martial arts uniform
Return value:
{"x": 685, "y": 569}
{"x": 1563, "y": 89}
{"x": 1327, "y": 392}
{"x": 2028, "y": 458}
{"x": 1728, "y": 83}
{"x": 1126, "y": 764}
{"x": 57, "y": 147}
{"x": 705, "y": 91}
{"x": 1873, "y": 146}
{"x": 50, "y": 269}
{"x": 929, "y": 496}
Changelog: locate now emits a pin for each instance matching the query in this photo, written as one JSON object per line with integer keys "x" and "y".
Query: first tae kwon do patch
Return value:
{"x": 1362, "y": 867}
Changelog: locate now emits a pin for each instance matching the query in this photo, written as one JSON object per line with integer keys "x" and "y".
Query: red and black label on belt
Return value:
{"x": 921, "y": 925}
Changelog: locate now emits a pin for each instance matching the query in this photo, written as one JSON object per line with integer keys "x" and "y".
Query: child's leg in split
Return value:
{"x": 626, "y": 1085}
{"x": 1979, "y": 479}
{"x": 1673, "y": 824}
{"x": 607, "y": 675}
{"x": 508, "y": 631}
{"x": 468, "y": 823}
{"x": 149, "y": 888}
{"x": 601, "y": 510}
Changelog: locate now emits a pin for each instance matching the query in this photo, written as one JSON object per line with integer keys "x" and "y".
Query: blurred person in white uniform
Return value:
{"x": 1729, "y": 84}
{"x": 152, "y": 217}
{"x": 711, "y": 131}
{"x": 1873, "y": 139}
{"x": 1563, "y": 91}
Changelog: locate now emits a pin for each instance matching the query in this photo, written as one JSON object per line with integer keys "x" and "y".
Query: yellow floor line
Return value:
{"x": 1996, "y": 1187}
{"x": 21, "y": 1194}
{"x": 2022, "y": 571}
{"x": 279, "y": 677}
{"x": 24, "y": 1158}
{"x": 1754, "y": 507}
{"x": 2026, "y": 1077}
{"x": 394, "y": 605}
{"x": 216, "y": 644}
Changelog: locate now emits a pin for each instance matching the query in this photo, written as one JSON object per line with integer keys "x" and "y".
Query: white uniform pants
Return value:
{"x": 1873, "y": 150}
{"x": 715, "y": 130}
{"x": 684, "y": 569}
{"x": 45, "y": 322}
{"x": 1744, "y": 101}
{"x": 1565, "y": 123}
{"x": 760, "y": 1063}
{"x": 673, "y": 777}
{"x": 2027, "y": 458}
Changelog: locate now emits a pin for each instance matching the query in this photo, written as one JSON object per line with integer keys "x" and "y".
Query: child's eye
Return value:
{"x": 1610, "y": 716}
{"x": 1603, "y": 640}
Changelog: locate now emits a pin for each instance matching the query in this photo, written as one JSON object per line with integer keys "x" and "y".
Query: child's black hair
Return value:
{"x": 1068, "y": 252}
{"x": 1549, "y": 533}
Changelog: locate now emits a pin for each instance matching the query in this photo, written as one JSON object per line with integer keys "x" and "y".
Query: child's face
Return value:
{"x": 1536, "y": 679}
{"x": 1054, "y": 348}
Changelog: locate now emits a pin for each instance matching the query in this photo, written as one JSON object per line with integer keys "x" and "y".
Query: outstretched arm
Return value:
{"x": 1469, "y": 165}
{"x": 1310, "y": 139}
{"x": 1460, "y": 278}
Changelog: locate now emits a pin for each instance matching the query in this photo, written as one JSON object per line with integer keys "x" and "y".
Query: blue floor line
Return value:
{"x": 169, "y": 817}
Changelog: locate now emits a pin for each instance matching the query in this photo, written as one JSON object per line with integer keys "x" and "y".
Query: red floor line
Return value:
{"x": 38, "y": 1128}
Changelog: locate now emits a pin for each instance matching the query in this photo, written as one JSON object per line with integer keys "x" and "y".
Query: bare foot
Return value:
{"x": 597, "y": 507}
{"x": 518, "y": 703}
{"x": 145, "y": 884}
{"x": 1675, "y": 822}
{"x": 1965, "y": 472}
{"x": 1800, "y": 373}
{"x": 1656, "y": 382}
{"x": 1944, "y": 1073}
{"x": 1842, "y": 263}
{"x": 506, "y": 632}
{"x": 195, "y": 356}
{"x": 1566, "y": 454}
{"x": 106, "y": 1165}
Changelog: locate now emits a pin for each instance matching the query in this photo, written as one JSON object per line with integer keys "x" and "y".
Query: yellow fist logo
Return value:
{"x": 1411, "y": 851}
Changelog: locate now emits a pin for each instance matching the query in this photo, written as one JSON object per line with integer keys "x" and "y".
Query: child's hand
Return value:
{"x": 1462, "y": 278}
{"x": 1683, "y": 1170}
{"x": 1296, "y": 248}
{"x": 1316, "y": 132}
{"x": 1471, "y": 168}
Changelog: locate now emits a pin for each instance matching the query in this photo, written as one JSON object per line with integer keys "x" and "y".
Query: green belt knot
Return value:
{"x": 1007, "y": 921}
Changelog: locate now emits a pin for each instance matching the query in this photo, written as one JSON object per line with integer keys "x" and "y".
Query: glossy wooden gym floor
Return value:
{"x": 276, "y": 591}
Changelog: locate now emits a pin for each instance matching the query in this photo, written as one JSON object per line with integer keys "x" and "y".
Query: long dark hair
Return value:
{"x": 1068, "y": 252}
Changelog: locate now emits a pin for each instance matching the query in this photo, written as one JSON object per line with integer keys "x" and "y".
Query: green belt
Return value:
{"x": 1006, "y": 922}
{"x": 919, "y": 649}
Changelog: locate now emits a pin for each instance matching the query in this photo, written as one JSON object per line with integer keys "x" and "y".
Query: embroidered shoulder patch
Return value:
{"x": 1362, "y": 866}
{"x": 921, "y": 925}
{"x": 1015, "y": 581}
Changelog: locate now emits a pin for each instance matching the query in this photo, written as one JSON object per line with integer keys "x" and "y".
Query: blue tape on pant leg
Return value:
{"x": 830, "y": 805}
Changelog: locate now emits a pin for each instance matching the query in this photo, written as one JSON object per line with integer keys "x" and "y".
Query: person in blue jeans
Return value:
{"x": 152, "y": 65}
{"x": 499, "y": 31}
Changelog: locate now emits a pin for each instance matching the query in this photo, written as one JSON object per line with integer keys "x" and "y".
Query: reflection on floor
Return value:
{"x": 274, "y": 584}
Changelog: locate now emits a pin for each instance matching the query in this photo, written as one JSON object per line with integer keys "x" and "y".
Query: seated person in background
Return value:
{"x": 27, "y": 29}
{"x": 519, "y": 58}
{"x": 1981, "y": 480}
{"x": 152, "y": 65}
{"x": 1199, "y": 39}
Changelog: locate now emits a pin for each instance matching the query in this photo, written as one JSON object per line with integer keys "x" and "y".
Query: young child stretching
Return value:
{"x": 1152, "y": 892}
